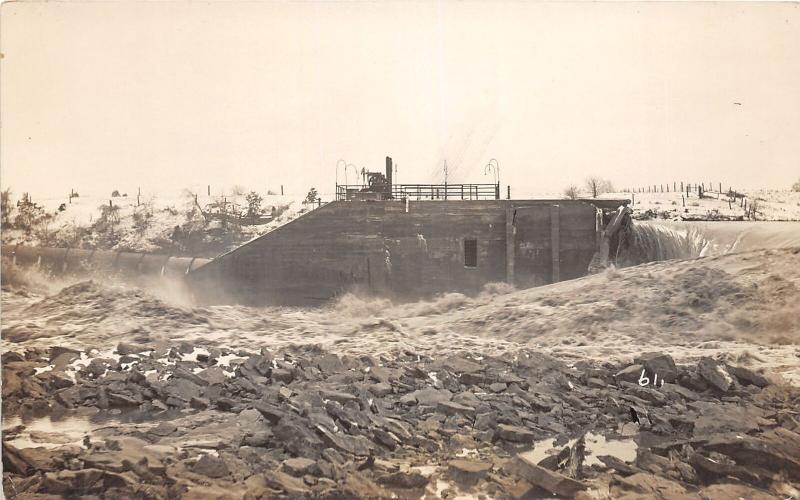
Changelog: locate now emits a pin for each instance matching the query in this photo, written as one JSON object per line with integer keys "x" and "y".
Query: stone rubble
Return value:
{"x": 172, "y": 422}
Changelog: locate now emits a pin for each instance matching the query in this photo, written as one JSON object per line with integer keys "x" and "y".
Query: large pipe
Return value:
{"x": 79, "y": 261}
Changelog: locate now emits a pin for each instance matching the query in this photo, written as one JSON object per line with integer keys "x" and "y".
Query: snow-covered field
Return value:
{"x": 769, "y": 205}
{"x": 147, "y": 224}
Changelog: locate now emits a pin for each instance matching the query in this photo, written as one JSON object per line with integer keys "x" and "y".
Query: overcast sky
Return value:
{"x": 106, "y": 95}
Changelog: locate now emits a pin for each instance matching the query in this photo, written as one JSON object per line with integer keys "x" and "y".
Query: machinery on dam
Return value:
{"x": 406, "y": 242}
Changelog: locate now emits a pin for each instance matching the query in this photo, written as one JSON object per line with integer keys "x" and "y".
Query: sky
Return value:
{"x": 97, "y": 96}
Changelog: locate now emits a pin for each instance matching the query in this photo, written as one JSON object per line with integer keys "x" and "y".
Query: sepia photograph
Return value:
{"x": 427, "y": 249}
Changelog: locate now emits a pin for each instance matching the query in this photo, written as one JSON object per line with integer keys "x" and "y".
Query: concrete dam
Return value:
{"x": 401, "y": 249}
{"x": 402, "y": 241}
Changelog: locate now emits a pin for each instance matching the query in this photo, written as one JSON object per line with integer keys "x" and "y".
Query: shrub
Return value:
{"x": 572, "y": 192}
{"x": 253, "y": 204}
{"x": 597, "y": 186}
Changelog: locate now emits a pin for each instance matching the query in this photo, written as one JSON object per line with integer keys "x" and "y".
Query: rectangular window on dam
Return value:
{"x": 470, "y": 253}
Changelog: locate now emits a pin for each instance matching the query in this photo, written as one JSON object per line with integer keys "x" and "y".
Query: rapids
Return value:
{"x": 650, "y": 241}
{"x": 717, "y": 294}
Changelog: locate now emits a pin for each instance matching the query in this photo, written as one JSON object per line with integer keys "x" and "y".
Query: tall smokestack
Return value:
{"x": 389, "y": 172}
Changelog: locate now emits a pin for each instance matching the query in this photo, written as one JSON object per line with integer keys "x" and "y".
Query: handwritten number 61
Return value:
{"x": 645, "y": 381}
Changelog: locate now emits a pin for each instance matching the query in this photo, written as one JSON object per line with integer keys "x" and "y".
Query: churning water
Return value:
{"x": 650, "y": 241}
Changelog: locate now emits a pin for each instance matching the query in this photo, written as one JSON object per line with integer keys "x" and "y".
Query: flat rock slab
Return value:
{"x": 211, "y": 466}
{"x": 746, "y": 450}
{"x": 330, "y": 363}
{"x": 461, "y": 365}
{"x": 555, "y": 483}
{"x": 282, "y": 375}
{"x": 467, "y": 471}
{"x": 299, "y": 467}
{"x": 380, "y": 389}
{"x": 284, "y": 482}
{"x": 724, "y": 417}
{"x": 341, "y": 397}
{"x": 355, "y": 445}
{"x": 125, "y": 348}
{"x": 734, "y": 492}
{"x": 451, "y": 408}
{"x": 430, "y": 396}
{"x": 402, "y": 479}
{"x": 515, "y": 433}
{"x": 715, "y": 374}
{"x": 650, "y": 486}
{"x": 658, "y": 364}
{"x": 747, "y": 376}
{"x": 630, "y": 374}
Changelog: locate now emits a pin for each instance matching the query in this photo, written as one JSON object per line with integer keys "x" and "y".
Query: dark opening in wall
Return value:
{"x": 470, "y": 253}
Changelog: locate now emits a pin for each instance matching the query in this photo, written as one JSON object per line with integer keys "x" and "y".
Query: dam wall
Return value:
{"x": 407, "y": 249}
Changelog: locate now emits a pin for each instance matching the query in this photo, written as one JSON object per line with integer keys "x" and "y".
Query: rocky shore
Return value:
{"x": 183, "y": 421}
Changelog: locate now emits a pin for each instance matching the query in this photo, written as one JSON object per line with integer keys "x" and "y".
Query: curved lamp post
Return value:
{"x": 354, "y": 168}
{"x": 493, "y": 165}
{"x": 337, "y": 171}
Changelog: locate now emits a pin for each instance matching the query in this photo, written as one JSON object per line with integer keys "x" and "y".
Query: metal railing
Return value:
{"x": 421, "y": 192}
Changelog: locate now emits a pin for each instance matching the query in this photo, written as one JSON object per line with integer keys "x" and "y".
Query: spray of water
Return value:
{"x": 649, "y": 243}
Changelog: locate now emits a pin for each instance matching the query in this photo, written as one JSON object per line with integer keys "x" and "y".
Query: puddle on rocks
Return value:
{"x": 52, "y": 431}
{"x": 596, "y": 446}
{"x": 47, "y": 432}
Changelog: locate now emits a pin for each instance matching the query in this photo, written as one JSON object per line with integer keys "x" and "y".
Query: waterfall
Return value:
{"x": 641, "y": 242}
{"x": 650, "y": 242}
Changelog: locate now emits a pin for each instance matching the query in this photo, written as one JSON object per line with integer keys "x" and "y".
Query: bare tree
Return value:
{"x": 754, "y": 209}
{"x": 598, "y": 186}
{"x": 572, "y": 192}
{"x": 142, "y": 217}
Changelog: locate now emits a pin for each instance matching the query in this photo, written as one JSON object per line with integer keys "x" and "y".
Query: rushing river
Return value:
{"x": 662, "y": 240}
